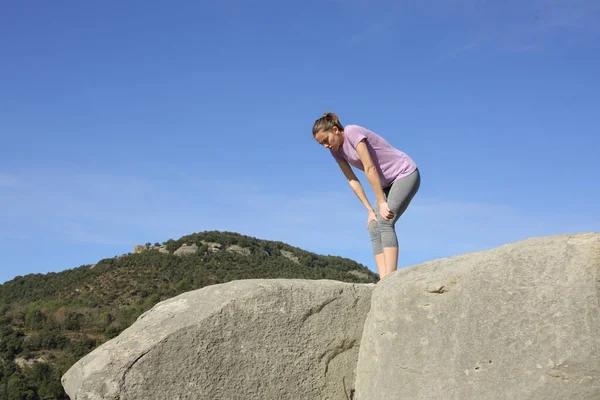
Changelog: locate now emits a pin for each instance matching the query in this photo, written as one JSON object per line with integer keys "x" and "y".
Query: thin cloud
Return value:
{"x": 472, "y": 45}
{"x": 567, "y": 14}
{"x": 477, "y": 25}
{"x": 452, "y": 227}
{"x": 80, "y": 232}
{"x": 528, "y": 26}
{"x": 122, "y": 211}
{"x": 105, "y": 209}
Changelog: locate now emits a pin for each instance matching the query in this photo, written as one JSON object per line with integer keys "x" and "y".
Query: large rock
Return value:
{"x": 290, "y": 256}
{"x": 239, "y": 250}
{"x": 249, "y": 339}
{"x": 186, "y": 249}
{"x": 213, "y": 247}
{"x": 520, "y": 321}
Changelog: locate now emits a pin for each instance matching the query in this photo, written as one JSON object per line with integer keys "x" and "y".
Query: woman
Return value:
{"x": 393, "y": 175}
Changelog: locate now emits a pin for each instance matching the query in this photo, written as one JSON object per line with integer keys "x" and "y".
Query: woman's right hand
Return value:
{"x": 372, "y": 217}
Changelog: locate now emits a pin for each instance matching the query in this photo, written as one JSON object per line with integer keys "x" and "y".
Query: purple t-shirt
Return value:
{"x": 390, "y": 162}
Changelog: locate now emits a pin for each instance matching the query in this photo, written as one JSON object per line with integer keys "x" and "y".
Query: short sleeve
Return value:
{"x": 355, "y": 134}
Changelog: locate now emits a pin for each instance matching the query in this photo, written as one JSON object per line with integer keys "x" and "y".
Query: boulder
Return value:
{"x": 247, "y": 339}
{"x": 186, "y": 249}
{"x": 163, "y": 249}
{"x": 290, "y": 256}
{"x": 138, "y": 248}
{"x": 213, "y": 247}
{"x": 239, "y": 250}
{"x": 359, "y": 274}
{"x": 520, "y": 321}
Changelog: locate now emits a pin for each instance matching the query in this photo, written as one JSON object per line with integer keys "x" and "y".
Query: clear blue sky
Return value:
{"x": 123, "y": 123}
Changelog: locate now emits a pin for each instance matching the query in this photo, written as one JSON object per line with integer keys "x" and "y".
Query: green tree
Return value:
{"x": 73, "y": 321}
{"x": 18, "y": 389}
{"x": 34, "y": 319}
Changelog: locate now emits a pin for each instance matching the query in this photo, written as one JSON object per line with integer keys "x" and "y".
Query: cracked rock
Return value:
{"x": 247, "y": 339}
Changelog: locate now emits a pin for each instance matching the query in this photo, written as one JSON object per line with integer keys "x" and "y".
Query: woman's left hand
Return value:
{"x": 384, "y": 210}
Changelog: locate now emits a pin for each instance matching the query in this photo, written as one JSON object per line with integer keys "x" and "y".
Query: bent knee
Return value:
{"x": 374, "y": 228}
{"x": 385, "y": 224}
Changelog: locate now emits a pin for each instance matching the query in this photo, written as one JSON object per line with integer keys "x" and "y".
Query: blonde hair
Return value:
{"x": 327, "y": 122}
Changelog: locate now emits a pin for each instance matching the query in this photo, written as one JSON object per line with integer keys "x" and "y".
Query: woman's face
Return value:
{"x": 330, "y": 139}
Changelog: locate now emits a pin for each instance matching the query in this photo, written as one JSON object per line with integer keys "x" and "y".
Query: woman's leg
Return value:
{"x": 398, "y": 198}
{"x": 377, "y": 247}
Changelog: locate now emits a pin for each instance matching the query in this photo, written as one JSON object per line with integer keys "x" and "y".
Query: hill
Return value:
{"x": 49, "y": 321}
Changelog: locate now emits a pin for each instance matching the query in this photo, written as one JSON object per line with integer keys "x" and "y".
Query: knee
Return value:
{"x": 385, "y": 225}
{"x": 374, "y": 229}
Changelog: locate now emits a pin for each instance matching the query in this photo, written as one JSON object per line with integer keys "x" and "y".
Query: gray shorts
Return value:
{"x": 398, "y": 196}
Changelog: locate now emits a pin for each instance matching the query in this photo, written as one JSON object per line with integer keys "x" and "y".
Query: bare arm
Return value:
{"x": 370, "y": 171}
{"x": 355, "y": 184}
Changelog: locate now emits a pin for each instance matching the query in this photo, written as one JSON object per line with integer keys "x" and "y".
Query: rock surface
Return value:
{"x": 239, "y": 249}
{"x": 290, "y": 256}
{"x": 249, "y": 339}
{"x": 520, "y": 321}
{"x": 213, "y": 247}
{"x": 138, "y": 248}
{"x": 186, "y": 249}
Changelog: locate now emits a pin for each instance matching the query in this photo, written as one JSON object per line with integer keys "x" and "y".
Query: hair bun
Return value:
{"x": 331, "y": 115}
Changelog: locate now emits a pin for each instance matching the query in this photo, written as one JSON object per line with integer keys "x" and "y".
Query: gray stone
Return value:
{"x": 291, "y": 256}
{"x": 520, "y": 321}
{"x": 359, "y": 274}
{"x": 138, "y": 248}
{"x": 163, "y": 249}
{"x": 213, "y": 247}
{"x": 239, "y": 249}
{"x": 186, "y": 249}
{"x": 247, "y": 339}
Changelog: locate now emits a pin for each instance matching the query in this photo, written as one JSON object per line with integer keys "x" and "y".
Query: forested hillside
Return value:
{"x": 49, "y": 321}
